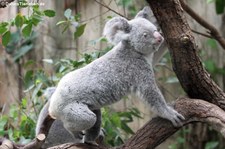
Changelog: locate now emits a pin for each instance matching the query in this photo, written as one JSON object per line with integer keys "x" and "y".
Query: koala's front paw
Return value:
{"x": 175, "y": 117}
{"x": 92, "y": 143}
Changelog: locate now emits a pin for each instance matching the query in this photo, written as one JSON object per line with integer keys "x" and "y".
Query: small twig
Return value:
{"x": 37, "y": 143}
{"x": 6, "y": 144}
{"x": 110, "y": 9}
{"x": 94, "y": 16}
{"x": 205, "y": 35}
{"x": 110, "y": 2}
{"x": 213, "y": 31}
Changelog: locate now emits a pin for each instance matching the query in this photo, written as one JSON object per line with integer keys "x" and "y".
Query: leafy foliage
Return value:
{"x": 18, "y": 46}
{"x": 23, "y": 23}
{"x": 72, "y": 21}
{"x": 18, "y": 125}
{"x": 212, "y": 145}
{"x": 116, "y": 125}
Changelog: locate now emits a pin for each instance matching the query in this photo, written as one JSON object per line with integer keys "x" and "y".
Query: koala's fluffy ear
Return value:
{"x": 147, "y": 13}
{"x": 116, "y": 30}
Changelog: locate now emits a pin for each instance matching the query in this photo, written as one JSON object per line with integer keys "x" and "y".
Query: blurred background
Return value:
{"x": 43, "y": 40}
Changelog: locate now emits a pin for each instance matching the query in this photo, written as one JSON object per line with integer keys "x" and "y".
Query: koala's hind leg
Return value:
{"x": 92, "y": 133}
{"x": 77, "y": 117}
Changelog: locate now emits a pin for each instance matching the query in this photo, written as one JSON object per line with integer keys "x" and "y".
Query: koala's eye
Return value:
{"x": 145, "y": 35}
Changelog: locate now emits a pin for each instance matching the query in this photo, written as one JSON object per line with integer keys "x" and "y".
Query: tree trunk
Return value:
{"x": 186, "y": 64}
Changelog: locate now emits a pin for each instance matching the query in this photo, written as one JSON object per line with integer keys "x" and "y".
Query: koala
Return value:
{"x": 126, "y": 69}
{"x": 57, "y": 133}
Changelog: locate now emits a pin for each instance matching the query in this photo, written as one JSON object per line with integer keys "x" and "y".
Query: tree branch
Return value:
{"x": 213, "y": 31}
{"x": 192, "y": 76}
{"x": 193, "y": 110}
{"x": 205, "y": 35}
{"x": 110, "y": 9}
{"x": 158, "y": 130}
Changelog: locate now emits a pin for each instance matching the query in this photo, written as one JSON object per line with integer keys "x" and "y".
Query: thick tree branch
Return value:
{"x": 212, "y": 30}
{"x": 187, "y": 65}
{"x": 158, "y": 129}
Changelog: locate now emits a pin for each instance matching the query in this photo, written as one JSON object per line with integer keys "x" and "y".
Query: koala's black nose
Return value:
{"x": 158, "y": 37}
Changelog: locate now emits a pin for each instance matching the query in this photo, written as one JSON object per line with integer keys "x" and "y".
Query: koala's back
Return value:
{"x": 102, "y": 82}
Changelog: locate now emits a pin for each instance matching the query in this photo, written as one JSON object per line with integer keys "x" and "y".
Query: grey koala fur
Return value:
{"x": 57, "y": 133}
{"x": 127, "y": 68}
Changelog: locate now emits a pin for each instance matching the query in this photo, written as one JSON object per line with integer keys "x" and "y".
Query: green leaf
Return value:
{"x": 28, "y": 80}
{"x": 77, "y": 17}
{"x": 125, "y": 3}
{"x": 22, "y": 51}
{"x": 4, "y": 24}
{"x": 220, "y": 4}
{"x": 37, "y": 11}
{"x": 80, "y": 31}
{"x": 3, "y": 29}
{"x": 24, "y": 103}
{"x": 210, "y": 66}
{"x": 3, "y": 122}
{"x": 19, "y": 20}
{"x": 61, "y": 22}
{"x": 210, "y": 1}
{"x": 211, "y": 145}
{"x": 35, "y": 19}
{"x": 181, "y": 140}
{"x": 212, "y": 43}
{"x": 109, "y": 17}
{"x": 27, "y": 30}
{"x": 36, "y": 90}
{"x": 6, "y": 38}
{"x": 36, "y": 7}
{"x": 49, "y": 13}
{"x": 126, "y": 128}
{"x": 68, "y": 13}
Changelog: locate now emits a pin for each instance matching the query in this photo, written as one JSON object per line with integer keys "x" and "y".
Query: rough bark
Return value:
{"x": 186, "y": 64}
{"x": 212, "y": 30}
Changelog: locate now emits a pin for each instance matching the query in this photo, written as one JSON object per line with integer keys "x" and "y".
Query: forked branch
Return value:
{"x": 212, "y": 30}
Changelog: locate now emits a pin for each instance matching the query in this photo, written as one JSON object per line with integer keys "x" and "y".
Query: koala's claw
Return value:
{"x": 93, "y": 143}
{"x": 175, "y": 117}
{"x": 102, "y": 134}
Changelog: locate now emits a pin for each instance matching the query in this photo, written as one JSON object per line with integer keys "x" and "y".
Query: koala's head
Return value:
{"x": 139, "y": 33}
